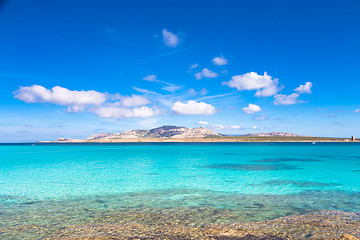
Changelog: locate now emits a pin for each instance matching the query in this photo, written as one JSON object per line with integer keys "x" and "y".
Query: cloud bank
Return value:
{"x": 93, "y": 101}
{"x": 75, "y": 100}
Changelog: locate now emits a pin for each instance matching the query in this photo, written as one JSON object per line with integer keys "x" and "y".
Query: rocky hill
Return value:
{"x": 273, "y": 134}
{"x": 160, "y": 132}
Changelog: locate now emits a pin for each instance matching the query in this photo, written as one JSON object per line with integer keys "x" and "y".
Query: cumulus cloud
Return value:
{"x": 202, "y": 123}
{"x": 251, "y": 108}
{"x": 119, "y": 112}
{"x": 282, "y": 99}
{"x": 193, "y": 108}
{"x": 75, "y": 100}
{"x": 170, "y": 39}
{"x": 103, "y": 104}
{"x": 219, "y": 61}
{"x": 304, "y": 89}
{"x": 356, "y": 110}
{"x": 206, "y": 73}
{"x": 254, "y": 127}
{"x": 265, "y": 84}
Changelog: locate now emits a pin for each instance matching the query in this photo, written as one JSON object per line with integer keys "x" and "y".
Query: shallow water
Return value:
{"x": 55, "y": 186}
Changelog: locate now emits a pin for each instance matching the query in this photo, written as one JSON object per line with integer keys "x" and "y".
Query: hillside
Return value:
{"x": 160, "y": 132}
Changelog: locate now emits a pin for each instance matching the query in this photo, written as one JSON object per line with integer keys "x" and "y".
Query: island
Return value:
{"x": 200, "y": 134}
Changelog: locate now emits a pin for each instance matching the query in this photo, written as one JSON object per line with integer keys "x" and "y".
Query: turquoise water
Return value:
{"x": 255, "y": 181}
{"x": 58, "y": 171}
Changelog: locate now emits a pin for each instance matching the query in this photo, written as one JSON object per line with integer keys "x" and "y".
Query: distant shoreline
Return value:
{"x": 210, "y": 140}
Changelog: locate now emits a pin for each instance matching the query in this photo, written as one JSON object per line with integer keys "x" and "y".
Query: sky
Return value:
{"x": 77, "y": 68}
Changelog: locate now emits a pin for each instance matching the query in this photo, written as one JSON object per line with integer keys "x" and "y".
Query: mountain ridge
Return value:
{"x": 167, "y": 131}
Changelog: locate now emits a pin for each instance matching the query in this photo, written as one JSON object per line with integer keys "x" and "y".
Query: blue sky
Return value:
{"x": 77, "y": 68}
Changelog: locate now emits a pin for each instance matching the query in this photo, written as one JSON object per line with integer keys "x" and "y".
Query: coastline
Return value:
{"x": 210, "y": 140}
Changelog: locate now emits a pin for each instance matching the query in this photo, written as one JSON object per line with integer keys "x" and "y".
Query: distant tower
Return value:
{"x": 353, "y": 138}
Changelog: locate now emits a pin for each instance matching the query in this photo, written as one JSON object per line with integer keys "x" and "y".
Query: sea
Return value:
{"x": 47, "y": 187}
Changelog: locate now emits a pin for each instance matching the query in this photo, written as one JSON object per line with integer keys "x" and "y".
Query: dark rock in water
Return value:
{"x": 275, "y": 160}
{"x": 251, "y": 167}
{"x": 29, "y": 203}
{"x": 300, "y": 183}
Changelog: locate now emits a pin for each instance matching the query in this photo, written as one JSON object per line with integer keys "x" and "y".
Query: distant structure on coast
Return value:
{"x": 353, "y": 138}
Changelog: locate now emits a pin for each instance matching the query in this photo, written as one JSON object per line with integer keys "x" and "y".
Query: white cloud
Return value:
{"x": 304, "y": 88}
{"x": 206, "y": 73}
{"x": 118, "y": 112}
{"x": 134, "y": 101}
{"x": 193, "y": 108}
{"x": 218, "y": 126}
{"x": 171, "y": 88}
{"x": 150, "y": 78}
{"x": 254, "y": 127}
{"x": 356, "y": 110}
{"x": 195, "y": 65}
{"x": 202, "y": 123}
{"x": 264, "y": 84}
{"x": 101, "y": 104}
{"x": 223, "y": 127}
{"x": 225, "y": 72}
{"x": 261, "y": 118}
{"x": 170, "y": 39}
{"x": 282, "y": 99}
{"x": 251, "y": 108}
{"x": 75, "y": 100}
{"x": 219, "y": 61}
{"x": 145, "y": 91}
{"x": 193, "y": 92}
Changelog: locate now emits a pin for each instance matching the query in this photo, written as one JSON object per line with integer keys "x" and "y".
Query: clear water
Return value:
{"x": 254, "y": 181}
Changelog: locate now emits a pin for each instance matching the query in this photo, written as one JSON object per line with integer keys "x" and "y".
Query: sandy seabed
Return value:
{"x": 134, "y": 224}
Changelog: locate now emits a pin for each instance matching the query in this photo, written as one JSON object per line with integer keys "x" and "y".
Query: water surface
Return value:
{"x": 58, "y": 185}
